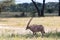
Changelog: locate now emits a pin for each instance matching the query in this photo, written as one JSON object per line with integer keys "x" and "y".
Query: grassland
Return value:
{"x": 49, "y": 36}
{"x": 22, "y": 22}
{"x": 51, "y": 23}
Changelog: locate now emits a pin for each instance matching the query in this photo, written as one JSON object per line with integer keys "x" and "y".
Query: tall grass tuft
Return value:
{"x": 54, "y": 35}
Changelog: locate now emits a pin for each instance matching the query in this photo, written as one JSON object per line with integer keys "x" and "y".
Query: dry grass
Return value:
{"x": 21, "y": 22}
{"x": 49, "y": 22}
{"x": 26, "y": 37}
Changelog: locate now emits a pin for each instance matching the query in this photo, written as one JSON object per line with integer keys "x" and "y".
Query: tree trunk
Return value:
{"x": 59, "y": 7}
{"x": 42, "y": 10}
{"x": 0, "y": 10}
{"x": 36, "y": 8}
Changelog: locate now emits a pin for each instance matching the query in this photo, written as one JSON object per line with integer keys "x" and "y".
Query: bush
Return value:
{"x": 50, "y": 10}
{"x": 16, "y": 15}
